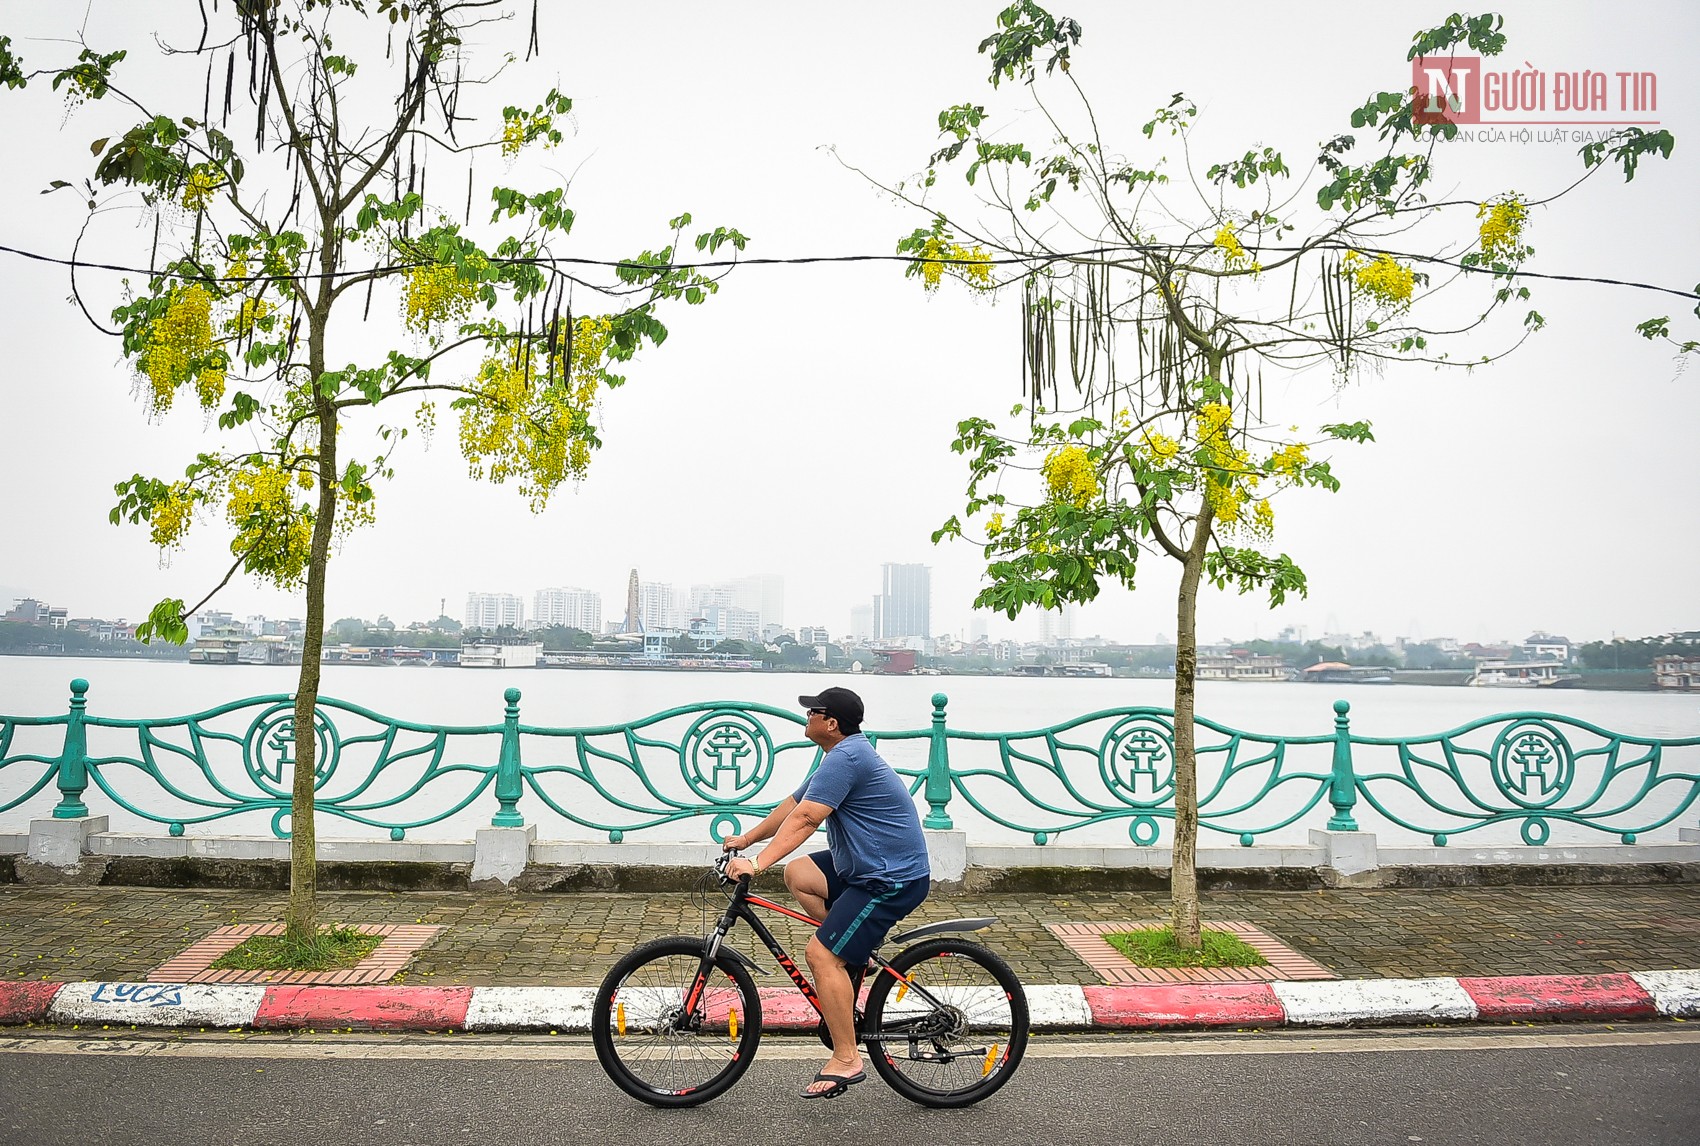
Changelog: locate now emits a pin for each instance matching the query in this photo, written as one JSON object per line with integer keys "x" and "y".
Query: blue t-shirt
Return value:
{"x": 874, "y": 831}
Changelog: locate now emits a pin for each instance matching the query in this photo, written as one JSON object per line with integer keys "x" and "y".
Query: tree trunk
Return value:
{"x": 1183, "y": 871}
{"x": 302, "y": 918}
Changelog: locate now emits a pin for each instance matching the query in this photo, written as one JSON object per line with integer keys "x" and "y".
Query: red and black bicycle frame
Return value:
{"x": 741, "y": 907}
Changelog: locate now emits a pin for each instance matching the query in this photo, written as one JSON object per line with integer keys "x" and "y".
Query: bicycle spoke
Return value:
{"x": 947, "y": 1029}
{"x": 656, "y": 1043}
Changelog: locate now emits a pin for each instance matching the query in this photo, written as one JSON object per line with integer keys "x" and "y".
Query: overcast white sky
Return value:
{"x": 798, "y": 424}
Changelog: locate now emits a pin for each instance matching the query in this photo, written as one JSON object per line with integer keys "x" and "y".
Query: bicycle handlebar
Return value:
{"x": 725, "y": 858}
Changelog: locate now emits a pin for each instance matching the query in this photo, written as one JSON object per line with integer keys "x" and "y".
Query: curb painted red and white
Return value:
{"x": 1356, "y": 1002}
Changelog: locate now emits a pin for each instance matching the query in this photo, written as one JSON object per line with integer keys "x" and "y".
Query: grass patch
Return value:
{"x": 1155, "y": 947}
{"x": 332, "y": 949}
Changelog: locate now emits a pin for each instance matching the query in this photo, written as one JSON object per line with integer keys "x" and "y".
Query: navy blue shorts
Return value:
{"x": 859, "y": 916}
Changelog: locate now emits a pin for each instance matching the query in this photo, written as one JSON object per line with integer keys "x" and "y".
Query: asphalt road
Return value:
{"x": 1549, "y": 1085}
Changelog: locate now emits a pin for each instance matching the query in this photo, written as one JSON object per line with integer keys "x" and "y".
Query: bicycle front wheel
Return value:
{"x": 652, "y": 1046}
{"x": 953, "y": 1029}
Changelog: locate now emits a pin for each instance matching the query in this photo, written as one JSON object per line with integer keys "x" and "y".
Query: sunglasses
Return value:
{"x": 817, "y": 712}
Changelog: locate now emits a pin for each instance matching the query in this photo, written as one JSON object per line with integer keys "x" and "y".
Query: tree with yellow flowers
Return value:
{"x": 281, "y": 217}
{"x": 1154, "y": 297}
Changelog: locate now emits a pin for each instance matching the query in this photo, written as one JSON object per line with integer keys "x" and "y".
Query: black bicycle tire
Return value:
{"x": 602, "y": 1036}
{"x": 1005, "y": 977}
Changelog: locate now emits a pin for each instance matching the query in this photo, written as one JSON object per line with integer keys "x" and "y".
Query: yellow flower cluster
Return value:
{"x": 1384, "y": 279}
{"x": 199, "y": 187}
{"x": 435, "y": 294}
{"x": 1289, "y": 460}
{"x": 516, "y": 131}
{"x": 179, "y": 348}
{"x": 84, "y": 80}
{"x": 1502, "y": 228}
{"x": 1070, "y": 475}
{"x": 1263, "y": 519}
{"x": 426, "y": 417}
{"x": 169, "y": 520}
{"x": 1162, "y": 448}
{"x": 972, "y": 265}
{"x": 1229, "y": 244}
{"x": 1212, "y": 420}
{"x": 591, "y": 337}
{"x": 1229, "y": 504}
{"x": 274, "y": 533}
{"x": 995, "y": 525}
{"x": 1231, "y": 482}
{"x": 532, "y": 428}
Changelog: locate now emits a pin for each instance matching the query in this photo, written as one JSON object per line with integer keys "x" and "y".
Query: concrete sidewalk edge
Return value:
{"x": 1052, "y": 1007}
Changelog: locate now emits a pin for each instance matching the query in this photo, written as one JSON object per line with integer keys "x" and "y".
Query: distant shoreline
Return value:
{"x": 1608, "y": 681}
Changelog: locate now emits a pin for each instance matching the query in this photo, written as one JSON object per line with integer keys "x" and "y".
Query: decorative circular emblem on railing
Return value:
{"x": 269, "y": 750}
{"x": 1532, "y": 763}
{"x": 726, "y": 757}
{"x": 1137, "y": 759}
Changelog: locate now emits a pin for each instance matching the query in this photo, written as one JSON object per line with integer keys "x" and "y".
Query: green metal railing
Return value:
{"x": 730, "y": 763}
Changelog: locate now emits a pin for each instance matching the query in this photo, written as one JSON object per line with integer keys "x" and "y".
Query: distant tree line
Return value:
{"x": 1602, "y": 655}
{"x": 26, "y": 637}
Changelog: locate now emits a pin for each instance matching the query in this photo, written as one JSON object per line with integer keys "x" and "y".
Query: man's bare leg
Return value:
{"x": 807, "y": 884}
{"x": 838, "y": 1006}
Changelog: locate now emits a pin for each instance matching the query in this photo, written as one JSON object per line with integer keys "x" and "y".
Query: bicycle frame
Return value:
{"x": 740, "y": 907}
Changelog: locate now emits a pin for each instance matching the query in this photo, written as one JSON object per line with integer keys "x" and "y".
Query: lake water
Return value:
{"x": 39, "y": 686}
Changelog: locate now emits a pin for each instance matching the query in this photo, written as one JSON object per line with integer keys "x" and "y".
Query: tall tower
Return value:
{"x": 634, "y": 612}
{"x": 903, "y": 608}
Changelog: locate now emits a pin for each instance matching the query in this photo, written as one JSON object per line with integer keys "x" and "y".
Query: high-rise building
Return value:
{"x": 1057, "y": 625}
{"x": 494, "y": 611}
{"x": 904, "y": 605}
{"x": 763, "y": 594}
{"x": 658, "y": 606}
{"x": 731, "y": 622}
{"x": 717, "y": 596}
{"x": 575, "y": 608}
{"x": 861, "y": 622}
{"x": 760, "y": 596}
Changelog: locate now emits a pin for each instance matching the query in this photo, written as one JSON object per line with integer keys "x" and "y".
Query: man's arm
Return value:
{"x": 763, "y": 830}
{"x": 797, "y": 827}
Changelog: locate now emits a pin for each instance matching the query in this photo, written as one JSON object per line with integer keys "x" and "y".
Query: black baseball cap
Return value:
{"x": 841, "y": 704}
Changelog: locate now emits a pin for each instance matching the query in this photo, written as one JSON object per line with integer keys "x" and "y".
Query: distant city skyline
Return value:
{"x": 1064, "y": 628}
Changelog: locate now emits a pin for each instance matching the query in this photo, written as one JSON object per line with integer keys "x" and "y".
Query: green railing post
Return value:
{"x": 73, "y": 761}
{"x": 938, "y": 770}
{"x": 508, "y": 786}
{"x": 1343, "y": 790}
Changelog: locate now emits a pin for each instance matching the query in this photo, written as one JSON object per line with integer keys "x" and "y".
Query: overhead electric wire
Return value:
{"x": 618, "y": 265}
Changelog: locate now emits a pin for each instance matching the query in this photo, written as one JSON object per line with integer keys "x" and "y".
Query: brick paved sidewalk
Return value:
{"x": 120, "y": 934}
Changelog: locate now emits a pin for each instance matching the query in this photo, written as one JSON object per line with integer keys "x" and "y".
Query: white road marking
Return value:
{"x": 530, "y": 1008}
{"x": 157, "y": 1004}
{"x": 1674, "y": 992}
{"x": 1385, "y": 1001}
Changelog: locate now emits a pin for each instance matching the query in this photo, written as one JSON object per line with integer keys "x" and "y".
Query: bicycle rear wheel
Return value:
{"x": 654, "y": 1049}
{"x": 953, "y": 1030}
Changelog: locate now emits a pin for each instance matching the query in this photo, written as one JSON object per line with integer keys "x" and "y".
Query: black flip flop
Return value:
{"x": 840, "y": 1083}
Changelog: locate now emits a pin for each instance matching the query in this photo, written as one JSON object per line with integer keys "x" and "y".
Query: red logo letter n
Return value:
{"x": 1446, "y": 89}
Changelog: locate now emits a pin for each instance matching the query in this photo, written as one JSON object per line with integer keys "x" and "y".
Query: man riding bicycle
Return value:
{"x": 874, "y": 872}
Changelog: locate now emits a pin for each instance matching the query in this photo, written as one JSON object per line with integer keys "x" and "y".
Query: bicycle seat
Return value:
{"x": 975, "y": 924}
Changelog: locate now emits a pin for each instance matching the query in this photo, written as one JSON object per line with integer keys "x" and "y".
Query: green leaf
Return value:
{"x": 1350, "y": 431}
{"x": 166, "y": 623}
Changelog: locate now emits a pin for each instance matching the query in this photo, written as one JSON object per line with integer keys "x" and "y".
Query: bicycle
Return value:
{"x": 677, "y": 1021}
